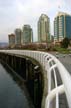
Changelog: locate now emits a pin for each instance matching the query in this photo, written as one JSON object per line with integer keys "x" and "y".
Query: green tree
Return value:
{"x": 65, "y": 43}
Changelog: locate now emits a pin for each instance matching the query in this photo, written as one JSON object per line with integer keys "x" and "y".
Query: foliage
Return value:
{"x": 61, "y": 50}
{"x": 65, "y": 43}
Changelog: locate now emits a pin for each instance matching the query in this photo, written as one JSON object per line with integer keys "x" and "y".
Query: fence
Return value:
{"x": 59, "y": 79}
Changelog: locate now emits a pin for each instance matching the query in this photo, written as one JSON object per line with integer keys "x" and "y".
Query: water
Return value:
{"x": 11, "y": 94}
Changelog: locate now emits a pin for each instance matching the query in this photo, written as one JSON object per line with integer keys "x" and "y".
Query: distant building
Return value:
{"x": 44, "y": 28}
{"x": 27, "y": 34}
{"x": 52, "y": 38}
{"x": 11, "y": 40}
{"x": 62, "y": 26}
{"x": 18, "y": 34}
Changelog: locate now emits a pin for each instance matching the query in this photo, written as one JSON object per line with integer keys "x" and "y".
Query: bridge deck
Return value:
{"x": 61, "y": 76}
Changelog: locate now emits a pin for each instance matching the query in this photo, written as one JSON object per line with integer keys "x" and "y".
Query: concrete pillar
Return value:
{"x": 37, "y": 87}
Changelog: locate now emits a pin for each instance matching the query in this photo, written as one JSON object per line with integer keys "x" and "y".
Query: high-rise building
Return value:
{"x": 62, "y": 26}
{"x": 44, "y": 28}
{"x": 18, "y": 33}
{"x": 11, "y": 40}
{"x": 27, "y": 34}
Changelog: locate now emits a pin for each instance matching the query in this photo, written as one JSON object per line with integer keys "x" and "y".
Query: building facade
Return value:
{"x": 62, "y": 25}
{"x": 11, "y": 38}
{"x": 44, "y": 28}
{"x": 27, "y": 34}
{"x": 18, "y": 34}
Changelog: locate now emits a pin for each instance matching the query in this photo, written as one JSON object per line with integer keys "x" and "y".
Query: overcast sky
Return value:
{"x": 16, "y": 13}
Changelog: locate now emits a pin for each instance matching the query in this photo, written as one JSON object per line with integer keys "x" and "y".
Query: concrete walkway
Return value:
{"x": 66, "y": 61}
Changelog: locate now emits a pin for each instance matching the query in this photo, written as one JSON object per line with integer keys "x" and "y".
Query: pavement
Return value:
{"x": 65, "y": 59}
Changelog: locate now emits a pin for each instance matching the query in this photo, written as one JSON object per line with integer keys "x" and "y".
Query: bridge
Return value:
{"x": 57, "y": 80}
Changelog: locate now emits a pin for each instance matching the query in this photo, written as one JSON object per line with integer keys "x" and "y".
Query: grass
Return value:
{"x": 61, "y": 50}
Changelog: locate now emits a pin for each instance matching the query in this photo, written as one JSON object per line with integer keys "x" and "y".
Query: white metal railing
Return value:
{"x": 49, "y": 63}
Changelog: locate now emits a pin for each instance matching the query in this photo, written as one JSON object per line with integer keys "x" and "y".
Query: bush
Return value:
{"x": 65, "y": 43}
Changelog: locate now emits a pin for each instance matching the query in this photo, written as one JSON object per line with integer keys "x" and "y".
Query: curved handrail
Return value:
{"x": 49, "y": 63}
